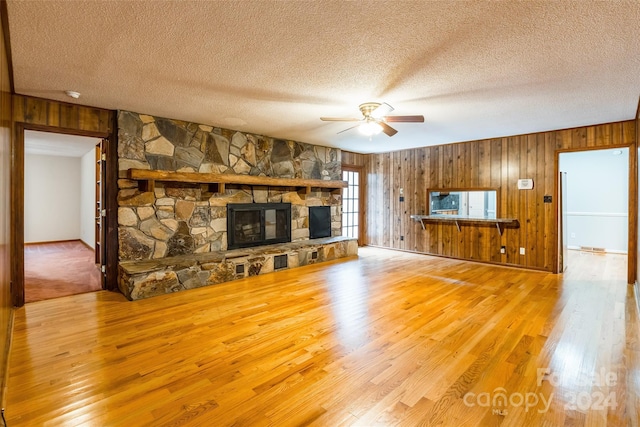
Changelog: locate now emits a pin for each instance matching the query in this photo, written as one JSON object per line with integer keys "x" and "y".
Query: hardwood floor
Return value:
{"x": 58, "y": 269}
{"x": 387, "y": 338}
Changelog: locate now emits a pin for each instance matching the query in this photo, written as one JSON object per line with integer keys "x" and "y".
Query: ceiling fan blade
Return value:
{"x": 340, "y": 119}
{"x": 381, "y": 111}
{"x": 405, "y": 119}
{"x": 352, "y": 127}
{"x": 387, "y": 129}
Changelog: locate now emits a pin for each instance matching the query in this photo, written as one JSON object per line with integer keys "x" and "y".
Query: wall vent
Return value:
{"x": 592, "y": 249}
{"x": 280, "y": 261}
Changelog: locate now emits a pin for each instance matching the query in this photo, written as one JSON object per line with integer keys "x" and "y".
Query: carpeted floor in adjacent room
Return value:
{"x": 59, "y": 269}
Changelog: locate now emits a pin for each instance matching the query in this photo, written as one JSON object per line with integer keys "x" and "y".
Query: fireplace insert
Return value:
{"x": 319, "y": 222}
{"x": 256, "y": 224}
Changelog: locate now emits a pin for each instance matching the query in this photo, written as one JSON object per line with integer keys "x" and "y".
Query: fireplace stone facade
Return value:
{"x": 177, "y": 219}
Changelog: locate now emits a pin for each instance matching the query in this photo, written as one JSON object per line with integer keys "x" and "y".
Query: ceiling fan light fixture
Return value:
{"x": 375, "y": 120}
{"x": 370, "y": 128}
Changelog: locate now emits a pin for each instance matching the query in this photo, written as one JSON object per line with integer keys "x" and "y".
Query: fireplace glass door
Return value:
{"x": 247, "y": 227}
{"x": 255, "y": 224}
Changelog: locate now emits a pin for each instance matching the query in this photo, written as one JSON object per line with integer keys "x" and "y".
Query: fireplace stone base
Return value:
{"x": 143, "y": 279}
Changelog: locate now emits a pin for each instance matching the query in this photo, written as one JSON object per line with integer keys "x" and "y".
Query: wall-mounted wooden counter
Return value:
{"x": 147, "y": 180}
{"x": 500, "y": 223}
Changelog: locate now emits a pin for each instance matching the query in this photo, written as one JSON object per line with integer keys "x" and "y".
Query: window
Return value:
{"x": 351, "y": 204}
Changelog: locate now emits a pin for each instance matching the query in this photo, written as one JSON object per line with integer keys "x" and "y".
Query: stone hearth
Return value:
{"x": 143, "y": 279}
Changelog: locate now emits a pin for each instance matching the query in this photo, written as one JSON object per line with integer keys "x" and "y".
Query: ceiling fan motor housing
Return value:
{"x": 368, "y": 107}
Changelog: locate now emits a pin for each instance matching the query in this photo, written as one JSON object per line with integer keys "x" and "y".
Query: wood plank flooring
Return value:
{"x": 58, "y": 269}
{"x": 385, "y": 338}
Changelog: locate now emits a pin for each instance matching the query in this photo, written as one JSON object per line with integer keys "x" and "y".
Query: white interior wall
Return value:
{"x": 51, "y": 198}
{"x": 597, "y": 198}
{"x": 88, "y": 198}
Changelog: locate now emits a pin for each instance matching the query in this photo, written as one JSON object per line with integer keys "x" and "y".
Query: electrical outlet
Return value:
{"x": 521, "y": 251}
{"x": 503, "y": 249}
{"x": 401, "y": 238}
{"x": 573, "y": 235}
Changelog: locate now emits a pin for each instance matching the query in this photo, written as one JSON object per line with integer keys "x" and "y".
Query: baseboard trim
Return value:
{"x": 636, "y": 294}
{"x": 596, "y": 250}
{"x": 494, "y": 263}
{"x": 5, "y": 377}
{"x": 87, "y": 245}
{"x": 61, "y": 241}
{"x": 52, "y": 241}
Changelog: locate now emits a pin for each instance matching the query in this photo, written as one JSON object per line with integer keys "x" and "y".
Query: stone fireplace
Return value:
{"x": 256, "y": 224}
{"x": 177, "y": 235}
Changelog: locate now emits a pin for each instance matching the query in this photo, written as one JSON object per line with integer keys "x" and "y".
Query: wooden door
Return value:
{"x": 100, "y": 210}
{"x": 353, "y": 203}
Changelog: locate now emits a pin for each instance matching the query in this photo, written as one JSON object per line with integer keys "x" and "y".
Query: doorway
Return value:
{"x": 61, "y": 215}
{"x": 352, "y": 210}
{"x": 593, "y": 215}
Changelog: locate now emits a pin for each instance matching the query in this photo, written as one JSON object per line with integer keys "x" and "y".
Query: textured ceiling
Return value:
{"x": 473, "y": 69}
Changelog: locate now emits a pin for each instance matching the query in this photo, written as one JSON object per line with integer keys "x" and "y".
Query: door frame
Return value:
{"x": 361, "y": 201}
{"x": 109, "y": 199}
{"x": 562, "y": 222}
{"x": 632, "y": 211}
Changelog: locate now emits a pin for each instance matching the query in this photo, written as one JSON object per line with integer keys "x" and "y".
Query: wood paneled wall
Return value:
{"x": 494, "y": 163}
{"x": 54, "y": 116}
{"x": 6, "y": 307}
{"x": 354, "y": 159}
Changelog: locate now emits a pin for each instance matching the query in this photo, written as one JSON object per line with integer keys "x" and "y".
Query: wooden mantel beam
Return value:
{"x": 216, "y": 178}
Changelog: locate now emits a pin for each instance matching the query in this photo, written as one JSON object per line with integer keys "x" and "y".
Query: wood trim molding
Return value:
{"x": 17, "y": 215}
{"x": 636, "y": 293}
{"x": 632, "y": 258}
{"x": 632, "y": 238}
{"x": 635, "y": 260}
{"x": 7, "y": 352}
{"x": 17, "y": 202}
{"x": 110, "y": 195}
{"x": 57, "y": 241}
{"x": 7, "y": 41}
{"x": 215, "y": 178}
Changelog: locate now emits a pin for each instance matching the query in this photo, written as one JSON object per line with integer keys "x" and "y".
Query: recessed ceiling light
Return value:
{"x": 617, "y": 152}
{"x": 72, "y": 93}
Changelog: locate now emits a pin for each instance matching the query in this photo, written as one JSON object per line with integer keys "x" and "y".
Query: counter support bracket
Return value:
{"x": 501, "y": 223}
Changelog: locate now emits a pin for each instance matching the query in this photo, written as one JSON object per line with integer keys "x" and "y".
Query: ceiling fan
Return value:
{"x": 375, "y": 119}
